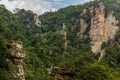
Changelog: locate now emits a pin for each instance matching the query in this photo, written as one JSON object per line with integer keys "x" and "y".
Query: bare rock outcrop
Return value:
{"x": 83, "y": 25}
{"x": 37, "y": 21}
{"x": 102, "y": 29}
{"x": 111, "y": 26}
{"x": 64, "y": 35}
{"x": 59, "y": 73}
{"x": 17, "y": 56}
{"x": 97, "y": 29}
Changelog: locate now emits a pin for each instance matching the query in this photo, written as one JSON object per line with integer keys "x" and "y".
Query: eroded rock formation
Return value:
{"x": 37, "y": 21}
{"x": 17, "y": 56}
{"x": 64, "y": 34}
{"x": 83, "y": 25}
{"x": 97, "y": 29}
{"x": 103, "y": 27}
{"x": 59, "y": 73}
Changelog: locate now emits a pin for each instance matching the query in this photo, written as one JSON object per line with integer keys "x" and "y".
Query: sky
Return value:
{"x": 40, "y": 6}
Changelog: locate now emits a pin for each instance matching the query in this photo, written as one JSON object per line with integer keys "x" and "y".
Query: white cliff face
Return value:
{"x": 37, "y": 21}
{"x": 17, "y": 56}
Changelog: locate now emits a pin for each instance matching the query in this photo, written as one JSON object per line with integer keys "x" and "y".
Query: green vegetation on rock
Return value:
{"x": 44, "y": 45}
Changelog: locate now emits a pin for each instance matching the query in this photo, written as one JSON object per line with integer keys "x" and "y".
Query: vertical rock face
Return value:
{"x": 83, "y": 28}
{"x": 102, "y": 29}
{"x": 97, "y": 30}
{"x": 83, "y": 25}
{"x": 64, "y": 34}
{"x": 37, "y": 21}
{"x": 111, "y": 26}
{"x": 17, "y": 56}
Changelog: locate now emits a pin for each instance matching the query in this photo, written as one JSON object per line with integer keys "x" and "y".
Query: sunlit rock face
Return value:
{"x": 64, "y": 36}
{"x": 97, "y": 29}
{"x": 103, "y": 26}
{"x": 37, "y": 21}
{"x": 17, "y": 56}
{"x": 83, "y": 25}
{"x": 102, "y": 29}
{"x": 111, "y": 26}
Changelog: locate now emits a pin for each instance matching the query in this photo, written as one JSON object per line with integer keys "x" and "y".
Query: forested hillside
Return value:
{"x": 74, "y": 43}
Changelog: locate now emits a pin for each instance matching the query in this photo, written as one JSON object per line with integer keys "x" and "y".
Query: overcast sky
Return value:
{"x": 40, "y": 6}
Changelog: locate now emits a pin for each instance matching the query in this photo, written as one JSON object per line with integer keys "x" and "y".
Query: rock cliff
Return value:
{"x": 37, "y": 21}
{"x": 97, "y": 29}
{"x": 83, "y": 25}
{"x": 103, "y": 27}
{"x": 17, "y": 56}
{"x": 64, "y": 35}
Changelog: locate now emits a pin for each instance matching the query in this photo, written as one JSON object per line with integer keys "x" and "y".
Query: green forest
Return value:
{"x": 44, "y": 46}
